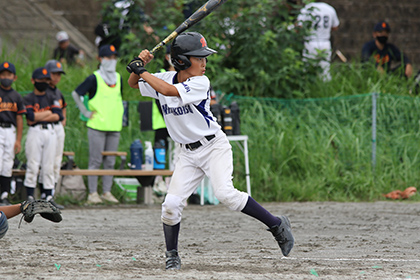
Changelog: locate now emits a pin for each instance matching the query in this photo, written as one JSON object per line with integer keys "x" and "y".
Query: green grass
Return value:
{"x": 313, "y": 149}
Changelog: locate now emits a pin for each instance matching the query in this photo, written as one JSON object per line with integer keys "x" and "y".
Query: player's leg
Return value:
{"x": 96, "y": 146}
{"x": 219, "y": 169}
{"x": 111, "y": 144}
{"x": 7, "y": 159}
{"x": 33, "y": 151}
{"x": 184, "y": 180}
{"x": 61, "y": 135}
{"x": 48, "y": 159}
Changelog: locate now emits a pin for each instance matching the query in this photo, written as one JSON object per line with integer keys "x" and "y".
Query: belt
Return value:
{"x": 5, "y": 125}
{"x": 195, "y": 145}
{"x": 43, "y": 125}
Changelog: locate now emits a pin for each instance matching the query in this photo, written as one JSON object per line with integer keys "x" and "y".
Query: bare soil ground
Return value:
{"x": 333, "y": 241}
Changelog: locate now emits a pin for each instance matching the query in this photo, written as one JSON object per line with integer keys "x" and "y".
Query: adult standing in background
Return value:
{"x": 322, "y": 20}
{"x": 105, "y": 113}
{"x": 66, "y": 52}
{"x": 383, "y": 53}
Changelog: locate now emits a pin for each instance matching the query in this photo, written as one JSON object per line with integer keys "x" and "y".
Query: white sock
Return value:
{"x": 4, "y": 195}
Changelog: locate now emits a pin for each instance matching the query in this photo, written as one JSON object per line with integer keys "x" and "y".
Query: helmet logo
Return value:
{"x": 203, "y": 42}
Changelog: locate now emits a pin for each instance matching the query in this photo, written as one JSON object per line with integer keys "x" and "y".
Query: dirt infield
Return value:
{"x": 333, "y": 241}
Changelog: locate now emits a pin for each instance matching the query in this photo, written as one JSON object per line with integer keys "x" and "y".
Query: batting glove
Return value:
{"x": 136, "y": 66}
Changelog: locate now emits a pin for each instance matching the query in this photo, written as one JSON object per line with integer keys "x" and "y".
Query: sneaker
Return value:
{"x": 172, "y": 260}
{"x": 59, "y": 206}
{"x": 283, "y": 234}
{"x": 5, "y": 202}
{"x": 109, "y": 197}
{"x": 30, "y": 198}
{"x": 94, "y": 198}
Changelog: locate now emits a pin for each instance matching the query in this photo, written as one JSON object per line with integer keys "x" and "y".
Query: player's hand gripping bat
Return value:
{"x": 198, "y": 15}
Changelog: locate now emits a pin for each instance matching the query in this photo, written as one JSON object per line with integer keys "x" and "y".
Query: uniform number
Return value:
{"x": 325, "y": 22}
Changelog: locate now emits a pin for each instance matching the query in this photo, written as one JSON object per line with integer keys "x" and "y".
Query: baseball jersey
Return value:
{"x": 40, "y": 103}
{"x": 382, "y": 57}
{"x": 58, "y": 95}
{"x": 323, "y": 18}
{"x": 11, "y": 105}
{"x": 188, "y": 117}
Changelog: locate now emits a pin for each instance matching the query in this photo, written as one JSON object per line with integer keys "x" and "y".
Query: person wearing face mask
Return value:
{"x": 42, "y": 111}
{"x": 105, "y": 114}
{"x": 385, "y": 54}
{"x": 56, "y": 70}
{"x": 12, "y": 109}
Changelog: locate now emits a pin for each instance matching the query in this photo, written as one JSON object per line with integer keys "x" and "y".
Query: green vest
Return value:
{"x": 157, "y": 118}
{"x": 107, "y": 105}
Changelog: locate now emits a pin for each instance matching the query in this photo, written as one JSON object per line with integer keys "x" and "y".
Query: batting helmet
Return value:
{"x": 186, "y": 45}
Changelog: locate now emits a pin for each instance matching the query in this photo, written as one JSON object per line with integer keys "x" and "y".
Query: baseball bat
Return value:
{"x": 198, "y": 15}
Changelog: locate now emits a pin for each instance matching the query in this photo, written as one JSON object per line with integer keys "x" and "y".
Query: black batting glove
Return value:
{"x": 136, "y": 66}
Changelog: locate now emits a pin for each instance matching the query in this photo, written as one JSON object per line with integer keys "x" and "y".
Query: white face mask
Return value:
{"x": 107, "y": 71}
{"x": 109, "y": 65}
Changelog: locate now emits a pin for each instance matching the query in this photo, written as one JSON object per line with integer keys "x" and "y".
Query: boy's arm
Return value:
{"x": 156, "y": 83}
{"x": 41, "y": 116}
{"x": 19, "y": 129}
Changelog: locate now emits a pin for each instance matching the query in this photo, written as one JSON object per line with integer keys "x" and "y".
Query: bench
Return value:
{"x": 145, "y": 177}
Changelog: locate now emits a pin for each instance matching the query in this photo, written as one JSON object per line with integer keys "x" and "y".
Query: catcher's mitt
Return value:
{"x": 47, "y": 210}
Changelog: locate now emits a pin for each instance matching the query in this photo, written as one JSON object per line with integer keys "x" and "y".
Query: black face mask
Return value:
{"x": 41, "y": 86}
{"x": 6, "y": 82}
{"x": 382, "y": 39}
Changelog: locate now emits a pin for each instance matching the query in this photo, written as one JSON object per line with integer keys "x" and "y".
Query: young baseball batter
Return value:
{"x": 205, "y": 150}
{"x": 43, "y": 110}
{"x": 11, "y": 127}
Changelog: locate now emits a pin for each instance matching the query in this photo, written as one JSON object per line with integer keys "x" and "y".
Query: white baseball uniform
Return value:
{"x": 61, "y": 135}
{"x": 189, "y": 121}
{"x": 41, "y": 141}
{"x": 323, "y": 18}
{"x": 11, "y": 105}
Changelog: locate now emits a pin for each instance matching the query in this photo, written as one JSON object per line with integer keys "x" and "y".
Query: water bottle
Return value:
{"x": 160, "y": 155}
{"x": 148, "y": 162}
{"x": 136, "y": 151}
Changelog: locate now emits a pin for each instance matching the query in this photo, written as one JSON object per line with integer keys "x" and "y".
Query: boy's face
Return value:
{"x": 55, "y": 78}
{"x": 198, "y": 66}
{"x": 6, "y": 79}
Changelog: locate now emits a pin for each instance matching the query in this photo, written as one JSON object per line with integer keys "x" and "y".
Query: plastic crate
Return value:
{"x": 129, "y": 186}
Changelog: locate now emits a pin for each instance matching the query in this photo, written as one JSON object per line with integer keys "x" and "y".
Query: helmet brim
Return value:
{"x": 203, "y": 52}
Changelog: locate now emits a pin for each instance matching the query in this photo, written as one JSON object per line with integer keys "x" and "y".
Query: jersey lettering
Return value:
{"x": 178, "y": 111}
{"x": 187, "y": 88}
{"x": 8, "y": 106}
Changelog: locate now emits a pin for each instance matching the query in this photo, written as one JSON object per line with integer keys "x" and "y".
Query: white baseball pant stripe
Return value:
{"x": 213, "y": 159}
{"x": 7, "y": 153}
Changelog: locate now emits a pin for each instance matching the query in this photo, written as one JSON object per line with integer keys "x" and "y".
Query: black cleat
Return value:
{"x": 58, "y": 206}
{"x": 283, "y": 234}
{"x": 172, "y": 260}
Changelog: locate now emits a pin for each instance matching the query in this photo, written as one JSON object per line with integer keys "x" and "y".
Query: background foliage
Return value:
{"x": 308, "y": 139}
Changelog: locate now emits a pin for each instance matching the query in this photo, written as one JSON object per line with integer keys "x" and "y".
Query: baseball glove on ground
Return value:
{"x": 42, "y": 207}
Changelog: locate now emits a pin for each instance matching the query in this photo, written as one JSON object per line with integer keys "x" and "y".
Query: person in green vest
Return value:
{"x": 105, "y": 113}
